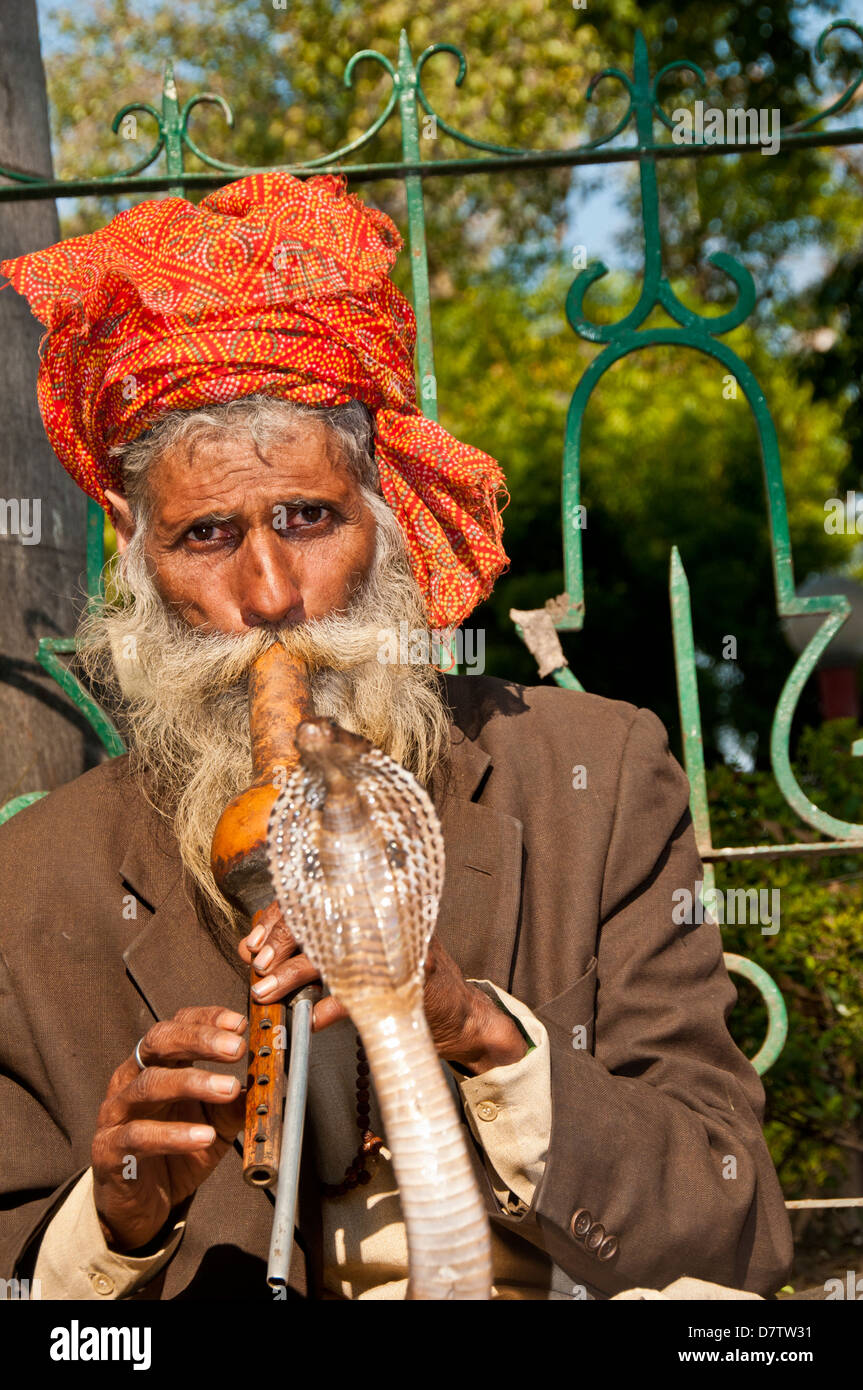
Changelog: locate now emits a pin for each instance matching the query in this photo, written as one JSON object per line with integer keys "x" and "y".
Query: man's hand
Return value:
{"x": 175, "y": 1120}
{"x": 467, "y": 1027}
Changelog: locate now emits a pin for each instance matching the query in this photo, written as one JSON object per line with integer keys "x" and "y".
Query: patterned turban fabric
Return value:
{"x": 272, "y": 285}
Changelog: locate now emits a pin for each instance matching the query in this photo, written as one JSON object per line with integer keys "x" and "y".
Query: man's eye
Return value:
{"x": 296, "y": 518}
{"x": 208, "y": 531}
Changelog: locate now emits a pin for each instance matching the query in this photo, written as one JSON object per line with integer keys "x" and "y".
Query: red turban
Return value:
{"x": 272, "y": 285}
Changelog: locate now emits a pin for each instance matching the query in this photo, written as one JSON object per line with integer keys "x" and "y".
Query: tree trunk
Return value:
{"x": 44, "y": 740}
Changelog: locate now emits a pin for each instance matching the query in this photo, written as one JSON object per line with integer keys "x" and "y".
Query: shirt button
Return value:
{"x": 608, "y": 1248}
{"x": 581, "y": 1223}
{"x": 102, "y": 1284}
{"x": 595, "y": 1236}
{"x": 487, "y": 1110}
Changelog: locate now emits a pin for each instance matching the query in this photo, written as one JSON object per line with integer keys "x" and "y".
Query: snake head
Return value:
{"x": 327, "y": 749}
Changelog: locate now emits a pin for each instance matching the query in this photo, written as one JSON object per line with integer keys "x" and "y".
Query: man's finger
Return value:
{"x": 221, "y": 1022}
{"x": 146, "y": 1139}
{"x": 293, "y": 974}
{"x": 280, "y": 943}
{"x": 160, "y": 1086}
{"x": 268, "y": 922}
{"x": 280, "y": 946}
{"x": 211, "y": 1013}
{"x": 177, "y": 1041}
{"x": 327, "y": 1011}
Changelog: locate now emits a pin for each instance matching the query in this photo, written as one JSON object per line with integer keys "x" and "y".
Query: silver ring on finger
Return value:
{"x": 142, "y": 1065}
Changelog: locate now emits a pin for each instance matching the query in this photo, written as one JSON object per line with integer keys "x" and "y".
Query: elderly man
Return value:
{"x": 235, "y": 383}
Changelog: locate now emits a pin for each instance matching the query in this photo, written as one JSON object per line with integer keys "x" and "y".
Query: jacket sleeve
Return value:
{"x": 508, "y": 1110}
{"x": 75, "y": 1263}
{"x": 38, "y": 1169}
{"x": 657, "y": 1166}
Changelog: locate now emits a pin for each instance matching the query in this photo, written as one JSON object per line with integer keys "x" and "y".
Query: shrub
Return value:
{"x": 813, "y": 1117}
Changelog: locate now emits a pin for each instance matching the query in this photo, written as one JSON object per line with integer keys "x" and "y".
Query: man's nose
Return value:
{"x": 269, "y": 592}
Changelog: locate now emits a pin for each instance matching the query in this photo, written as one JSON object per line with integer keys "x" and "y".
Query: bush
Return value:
{"x": 813, "y": 1117}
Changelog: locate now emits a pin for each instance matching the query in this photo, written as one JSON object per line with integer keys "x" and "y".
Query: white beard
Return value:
{"x": 184, "y": 709}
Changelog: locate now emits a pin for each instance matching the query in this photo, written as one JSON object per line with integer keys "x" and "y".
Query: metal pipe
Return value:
{"x": 281, "y": 1241}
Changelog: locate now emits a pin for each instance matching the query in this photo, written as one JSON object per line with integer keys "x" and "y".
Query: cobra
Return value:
{"x": 356, "y": 855}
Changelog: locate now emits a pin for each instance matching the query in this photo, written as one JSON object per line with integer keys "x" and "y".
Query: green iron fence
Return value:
{"x": 562, "y": 613}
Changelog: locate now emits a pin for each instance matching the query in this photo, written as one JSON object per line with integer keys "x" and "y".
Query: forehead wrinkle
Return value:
{"x": 233, "y": 492}
{"x": 309, "y": 436}
{"x": 244, "y": 455}
{"x": 210, "y": 495}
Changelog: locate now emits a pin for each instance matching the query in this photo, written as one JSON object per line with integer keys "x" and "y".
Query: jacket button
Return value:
{"x": 595, "y": 1236}
{"x": 487, "y": 1110}
{"x": 102, "y": 1284}
{"x": 581, "y": 1223}
{"x": 608, "y": 1248}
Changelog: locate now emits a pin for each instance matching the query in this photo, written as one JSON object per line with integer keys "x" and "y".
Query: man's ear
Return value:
{"x": 121, "y": 519}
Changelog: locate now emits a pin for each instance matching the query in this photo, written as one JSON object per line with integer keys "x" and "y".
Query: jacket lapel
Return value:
{"x": 481, "y": 901}
{"x": 173, "y": 959}
{"x": 175, "y": 963}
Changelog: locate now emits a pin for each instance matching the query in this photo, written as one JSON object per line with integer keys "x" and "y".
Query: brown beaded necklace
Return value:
{"x": 357, "y": 1173}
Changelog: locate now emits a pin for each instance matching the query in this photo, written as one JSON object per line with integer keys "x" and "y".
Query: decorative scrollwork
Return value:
{"x": 156, "y": 150}
{"x": 201, "y": 98}
{"x": 676, "y": 66}
{"x": 655, "y": 288}
{"x": 628, "y": 113}
{"x": 173, "y": 124}
{"x": 367, "y": 135}
{"x": 699, "y": 331}
{"x": 842, "y": 101}
{"x": 19, "y": 176}
{"x": 714, "y": 323}
{"x": 488, "y": 146}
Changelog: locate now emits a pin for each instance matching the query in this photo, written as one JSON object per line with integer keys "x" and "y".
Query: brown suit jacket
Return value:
{"x": 559, "y": 893}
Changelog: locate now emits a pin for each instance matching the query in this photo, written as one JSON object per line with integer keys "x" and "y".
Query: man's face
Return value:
{"x": 244, "y": 537}
{"x": 242, "y": 541}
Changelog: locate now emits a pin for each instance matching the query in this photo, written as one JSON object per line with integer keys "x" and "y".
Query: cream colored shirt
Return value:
{"x": 365, "y": 1246}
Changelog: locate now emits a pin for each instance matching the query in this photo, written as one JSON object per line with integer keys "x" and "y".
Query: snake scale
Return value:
{"x": 356, "y": 855}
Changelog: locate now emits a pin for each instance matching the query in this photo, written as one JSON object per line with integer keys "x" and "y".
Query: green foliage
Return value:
{"x": 828, "y": 323}
{"x": 813, "y": 1118}
{"x": 667, "y": 458}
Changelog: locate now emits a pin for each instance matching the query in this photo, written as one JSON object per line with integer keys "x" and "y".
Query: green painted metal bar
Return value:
{"x": 172, "y": 127}
{"x": 48, "y": 655}
{"x": 799, "y": 849}
{"x": 417, "y": 246}
{"x": 117, "y": 184}
{"x": 821, "y": 53}
{"x": 153, "y": 153}
{"x": 488, "y": 145}
{"x": 173, "y": 134}
{"x": 693, "y": 757}
{"x": 95, "y": 551}
{"x": 697, "y": 334}
{"x": 564, "y": 677}
{"x": 780, "y": 734}
{"x": 561, "y": 675}
{"x": 417, "y": 231}
{"x": 687, "y": 695}
{"x": 777, "y": 1014}
{"x": 17, "y": 804}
